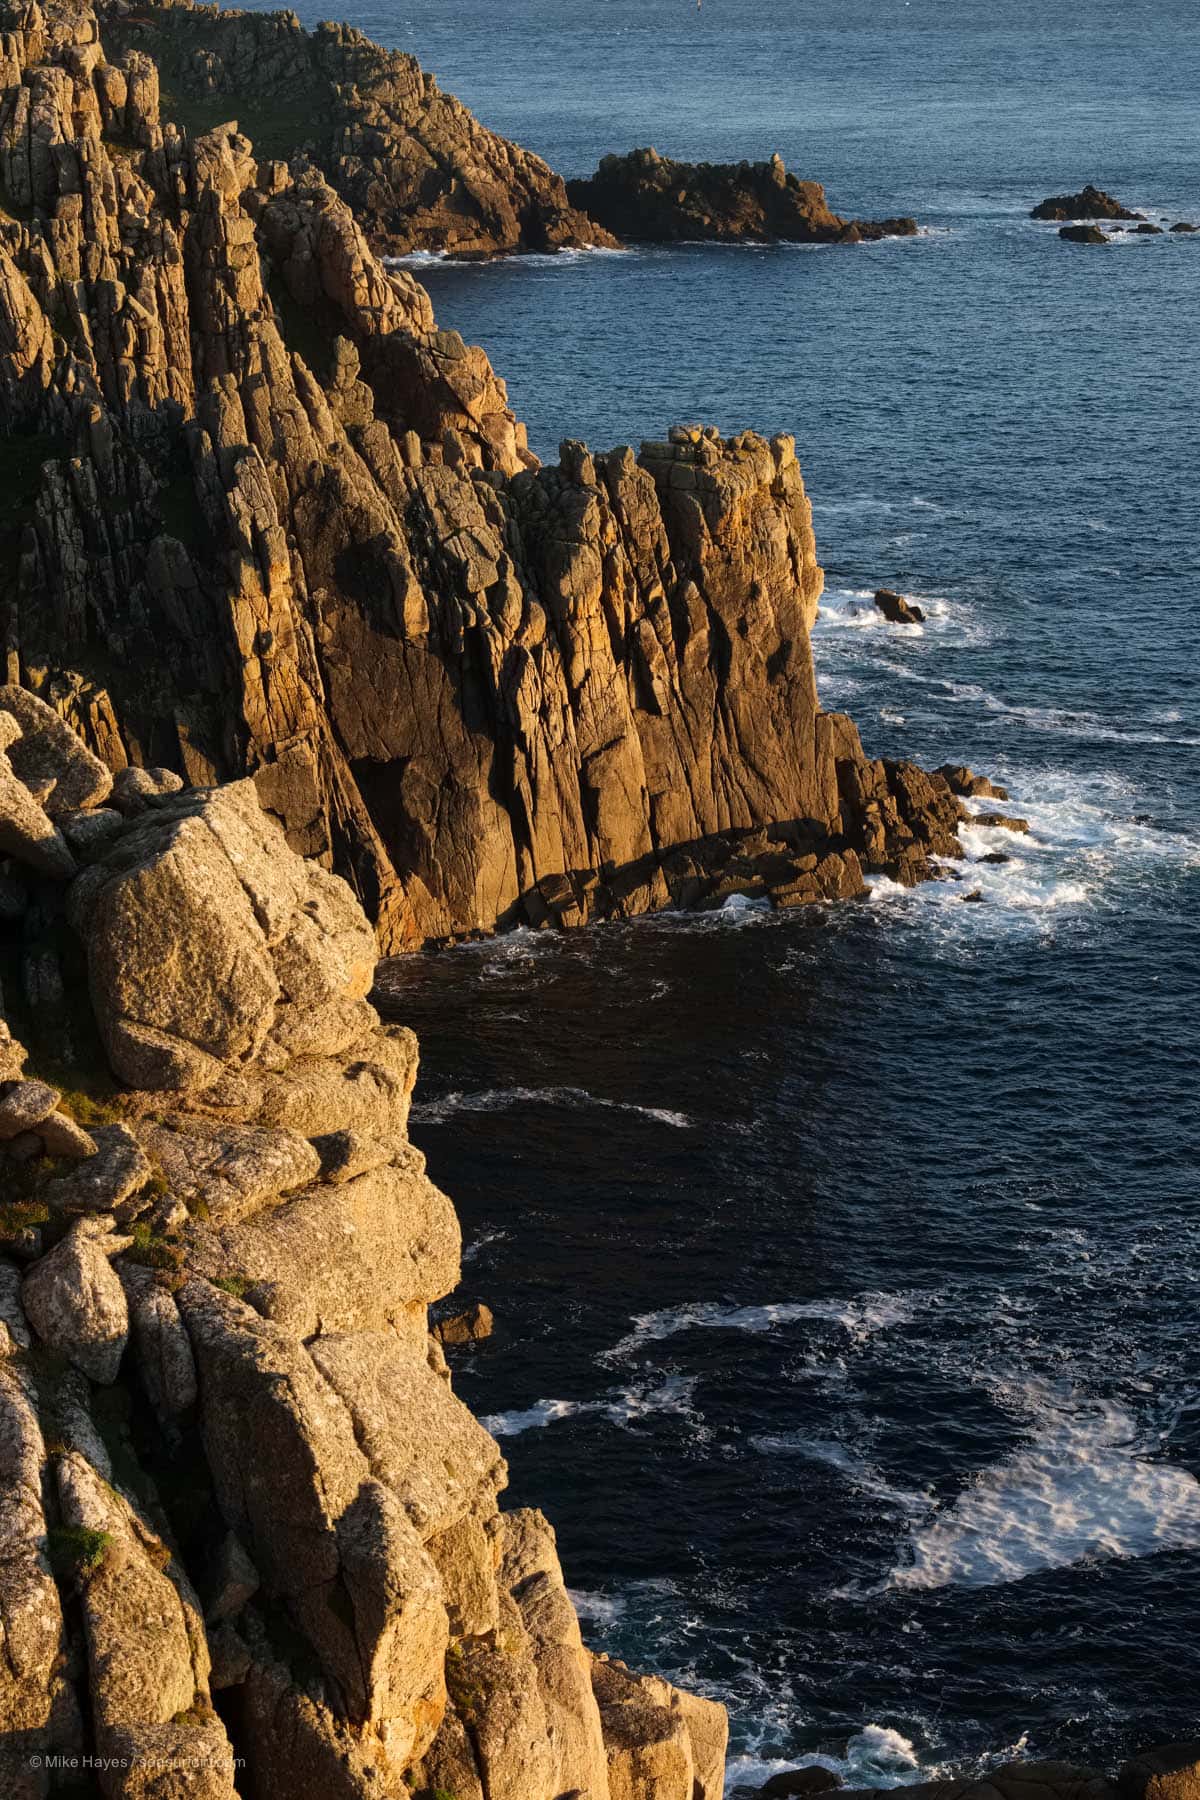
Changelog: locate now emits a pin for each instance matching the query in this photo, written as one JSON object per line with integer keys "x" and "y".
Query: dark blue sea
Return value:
{"x": 846, "y": 1264}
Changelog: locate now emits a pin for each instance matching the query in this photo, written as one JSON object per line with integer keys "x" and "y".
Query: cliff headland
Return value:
{"x": 308, "y": 657}
{"x": 265, "y": 518}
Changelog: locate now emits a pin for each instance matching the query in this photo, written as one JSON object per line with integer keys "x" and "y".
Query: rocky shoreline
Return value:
{"x": 247, "y": 465}
{"x": 416, "y": 168}
{"x": 250, "y": 1540}
{"x": 308, "y": 657}
{"x": 1167, "y": 1772}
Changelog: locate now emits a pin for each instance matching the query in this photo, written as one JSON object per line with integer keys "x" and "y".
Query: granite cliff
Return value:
{"x": 263, "y": 517}
{"x": 250, "y": 1540}
{"x": 418, "y": 171}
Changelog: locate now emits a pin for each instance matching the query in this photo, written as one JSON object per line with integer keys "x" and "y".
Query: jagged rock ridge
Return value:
{"x": 250, "y": 1540}
{"x": 651, "y": 198}
{"x": 267, "y": 519}
{"x": 417, "y": 169}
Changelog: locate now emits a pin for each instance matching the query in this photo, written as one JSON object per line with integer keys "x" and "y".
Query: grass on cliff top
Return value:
{"x": 277, "y": 128}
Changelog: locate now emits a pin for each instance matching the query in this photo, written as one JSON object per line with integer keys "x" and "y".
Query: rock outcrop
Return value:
{"x": 265, "y": 519}
{"x": 417, "y": 170}
{"x": 649, "y": 198}
{"x": 1083, "y": 234}
{"x": 897, "y": 609}
{"x": 1089, "y": 203}
{"x": 1170, "y": 1770}
{"x": 250, "y": 1539}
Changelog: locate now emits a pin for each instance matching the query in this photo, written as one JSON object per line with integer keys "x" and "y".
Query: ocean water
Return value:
{"x": 845, "y": 1264}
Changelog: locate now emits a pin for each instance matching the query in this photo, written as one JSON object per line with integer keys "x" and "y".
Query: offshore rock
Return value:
{"x": 1083, "y": 234}
{"x": 649, "y": 198}
{"x": 897, "y": 609}
{"x": 1090, "y": 203}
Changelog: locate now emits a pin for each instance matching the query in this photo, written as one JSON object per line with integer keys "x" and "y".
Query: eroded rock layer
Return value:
{"x": 250, "y": 1539}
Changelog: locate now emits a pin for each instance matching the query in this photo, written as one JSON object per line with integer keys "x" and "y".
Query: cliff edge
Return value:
{"x": 417, "y": 169}
{"x": 263, "y": 517}
{"x": 250, "y": 1540}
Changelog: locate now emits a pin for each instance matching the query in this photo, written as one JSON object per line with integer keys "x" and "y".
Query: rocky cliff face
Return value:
{"x": 250, "y": 1540}
{"x": 648, "y": 197}
{"x": 417, "y": 169}
{"x": 263, "y": 517}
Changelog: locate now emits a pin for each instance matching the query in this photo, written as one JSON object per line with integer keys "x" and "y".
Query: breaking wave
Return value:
{"x": 436, "y": 1112}
{"x": 1080, "y": 1490}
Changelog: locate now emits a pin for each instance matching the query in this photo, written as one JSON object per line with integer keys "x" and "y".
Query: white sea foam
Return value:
{"x": 858, "y": 1471}
{"x": 597, "y": 1609}
{"x": 860, "y": 1317}
{"x": 1081, "y": 1489}
{"x": 536, "y": 259}
{"x": 854, "y": 503}
{"x": 623, "y": 1406}
{"x": 436, "y": 1112}
{"x": 878, "y": 1756}
{"x": 1082, "y": 839}
{"x": 479, "y": 1244}
{"x": 845, "y": 609}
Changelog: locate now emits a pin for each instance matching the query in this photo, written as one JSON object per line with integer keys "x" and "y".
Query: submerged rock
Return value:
{"x": 794, "y": 1784}
{"x": 1083, "y": 234}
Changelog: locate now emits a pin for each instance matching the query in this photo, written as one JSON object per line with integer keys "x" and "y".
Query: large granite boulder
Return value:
{"x": 74, "y": 1300}
{"x": 201, "y": 927}
{"x": 37, "y": 1707}
{"x": 49, "y": 758}
{"x": 147, "y": 1655}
